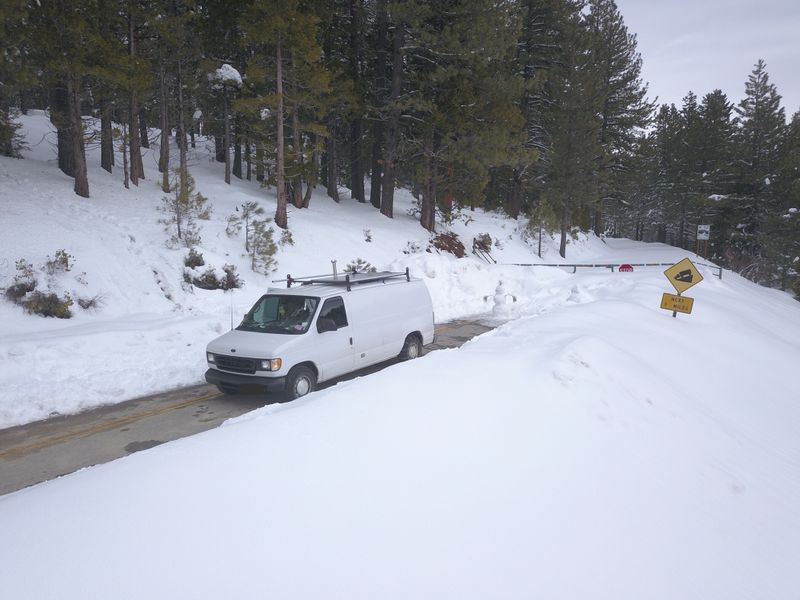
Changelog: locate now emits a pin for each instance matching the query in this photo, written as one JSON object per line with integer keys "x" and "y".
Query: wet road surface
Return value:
{"x": 41, "y": 451}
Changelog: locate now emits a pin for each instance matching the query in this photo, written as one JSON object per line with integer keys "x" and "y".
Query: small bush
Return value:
{"x": 211, "y": 280}
{"x": 367, "y": 235}
{"x": 359, "y": 265}
{"x": 194, "y": 259}
{"x": 448, "y": 242}
{"x": 412, "y": 248}
{"x": 89, "y": 303}
{"x": 60, "y": 263}
{"x": 286, "y": 238}
{"x": 231, "y": 279}
{"x": 48, "y": 305}
{"x": 483, "y": 242}
{"x": 18, "y": 291}
{"x": 262, "y": 248}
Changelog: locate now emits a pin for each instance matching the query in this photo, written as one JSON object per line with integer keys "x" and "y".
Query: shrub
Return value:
{"x": 367, "y": 235}
{"x": 286, "y": 238}
{"x": 448, "y": 242}
{"x": 48, "y": 305}
{"x": 181, "y": 212}
{"x": 359, "y": 265}
{"x": 60, "y": 263}
{"x": 262, "y": 248}
{"x": 483, "y": 242}
{"x": 210, "y": 279}
{"x": 194, "y": 259}
{"x": 17, "y": 291}
{"x": 87, "y": 303}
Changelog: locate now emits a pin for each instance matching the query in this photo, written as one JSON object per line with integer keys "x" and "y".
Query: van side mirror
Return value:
{"x": 324, "y": 325}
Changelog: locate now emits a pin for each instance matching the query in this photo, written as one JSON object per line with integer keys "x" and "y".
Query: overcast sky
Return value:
{"x": 701, "y": 45}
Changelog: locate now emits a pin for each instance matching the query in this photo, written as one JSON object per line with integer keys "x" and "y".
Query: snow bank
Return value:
{"x": 595, "y": 448}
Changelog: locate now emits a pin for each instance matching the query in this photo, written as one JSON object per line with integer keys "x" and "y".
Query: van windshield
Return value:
{"x": 273, "y": 313}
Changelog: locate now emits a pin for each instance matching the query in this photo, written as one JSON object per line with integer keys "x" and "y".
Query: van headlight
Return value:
{"x": 273, "y": 364}
{"x": 210, "y": 357}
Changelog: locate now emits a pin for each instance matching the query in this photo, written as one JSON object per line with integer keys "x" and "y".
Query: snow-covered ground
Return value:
{"x": 592, "y": 446}
{"x": 150, "y": 331}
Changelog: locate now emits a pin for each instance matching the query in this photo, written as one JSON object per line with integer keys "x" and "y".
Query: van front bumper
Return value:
{"x": 273, "y": 385}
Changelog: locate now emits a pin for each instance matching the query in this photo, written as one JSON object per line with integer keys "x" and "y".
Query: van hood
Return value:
{"x": 252, "y": 344}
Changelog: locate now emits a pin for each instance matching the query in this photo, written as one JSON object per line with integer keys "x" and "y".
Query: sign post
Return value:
{"x": 703, "y": 234}
{"x": 682, "y": 275}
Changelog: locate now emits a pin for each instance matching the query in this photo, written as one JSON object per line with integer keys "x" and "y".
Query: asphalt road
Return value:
{"x": 30, "y": 454}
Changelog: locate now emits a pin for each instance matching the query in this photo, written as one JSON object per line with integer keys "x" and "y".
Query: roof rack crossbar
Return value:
{"x": 348, "y": 280}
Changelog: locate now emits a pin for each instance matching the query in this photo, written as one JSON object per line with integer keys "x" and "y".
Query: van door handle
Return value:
{"x": 351, "y": 341}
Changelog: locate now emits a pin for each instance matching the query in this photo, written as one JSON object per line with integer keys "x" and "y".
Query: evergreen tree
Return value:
{"x": 14, "y": 74}
{"x": 571, "y": 126}
{"x": 762, "y": 124}
{"x": 624, "y": 109}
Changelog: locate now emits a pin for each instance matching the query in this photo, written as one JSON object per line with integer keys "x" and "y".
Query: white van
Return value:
{"x": 321, "y": 328}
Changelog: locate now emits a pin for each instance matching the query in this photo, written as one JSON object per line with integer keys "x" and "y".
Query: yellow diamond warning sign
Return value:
{"x": 683, "y": 275}
{"x": 680, "y": 304}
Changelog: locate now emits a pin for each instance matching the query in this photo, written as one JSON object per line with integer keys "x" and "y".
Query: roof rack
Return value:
{"x": 347, "y": 281}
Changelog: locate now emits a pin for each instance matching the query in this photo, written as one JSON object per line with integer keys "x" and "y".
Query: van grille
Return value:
{"x": 236, "y": 364}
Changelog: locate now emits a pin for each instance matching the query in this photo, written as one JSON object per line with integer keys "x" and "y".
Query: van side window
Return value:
{"x": 334, "y": 309}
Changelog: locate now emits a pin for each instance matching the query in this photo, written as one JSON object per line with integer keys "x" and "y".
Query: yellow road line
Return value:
{"x": 87, "y": 431}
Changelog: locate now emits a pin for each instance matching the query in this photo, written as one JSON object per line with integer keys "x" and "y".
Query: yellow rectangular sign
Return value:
{"x": 683, "y": 275}
{"x": 681, "y": 304}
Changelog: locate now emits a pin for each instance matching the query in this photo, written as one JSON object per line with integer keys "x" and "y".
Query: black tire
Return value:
{"x": 228, "y": 391}
{"x": 299, "y": 382}
{"x": 412, "y": 348}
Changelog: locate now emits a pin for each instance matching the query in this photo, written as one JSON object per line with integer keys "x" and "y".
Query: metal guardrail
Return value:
{"x": 611, "y": 266}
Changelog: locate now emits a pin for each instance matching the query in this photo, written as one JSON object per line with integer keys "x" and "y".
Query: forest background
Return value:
{"x": 532, "y": 107}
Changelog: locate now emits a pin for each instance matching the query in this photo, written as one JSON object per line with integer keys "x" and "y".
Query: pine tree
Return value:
{"x": 762, "y": 124}
{"x": 63, "y": 32}
{"x": 276, "y": 29}
{"x": 572, "y": 129}
{"x": 14, "y": 72}
{"x": 624, "y": 109}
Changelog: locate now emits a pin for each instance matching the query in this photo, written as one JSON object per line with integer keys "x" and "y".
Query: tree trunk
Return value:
{"x": 356, "y": 133}
{"x": 163, "y": 155}
{"x": 78, "y": 151}
{"x": 248, "y": 162}
{"x": 376, "y": 167}
{"x": 297, "y": 180}
{"x": 281, "y": 216}
{"x": 106, "y": 135}
{"x": 125, "y": 173}
{"x": 515, "y": 204}
{"x": 143, "y": 133}
{"x": 393, "y": 123}
{"x": 237, "y": 148}
{"x": 137, "y": 166}
{"x": 332, "y": 168}
{"x": 183, "y": 163}
{"x": 226, "y": 139}
{"x": 259, "y": 161}
{"x": 60, "y": 117}
{"x": 356, "y": 164}
{"x": 427, "y": 217}
{"x": 219, "y": 148}
{"x": 562, "y": 249}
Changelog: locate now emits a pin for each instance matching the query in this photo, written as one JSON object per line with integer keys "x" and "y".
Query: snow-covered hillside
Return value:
{"x": 592, "y": 446}
{"x": 150, "y": 330}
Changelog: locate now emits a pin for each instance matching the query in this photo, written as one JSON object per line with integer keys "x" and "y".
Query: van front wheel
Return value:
{"x": 412, "y": 348}
{"x": 300, "y": 381}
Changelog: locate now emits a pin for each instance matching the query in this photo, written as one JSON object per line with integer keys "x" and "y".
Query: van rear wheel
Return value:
{"x": 412, "y": 348}
{"x": 300, "y": 381}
